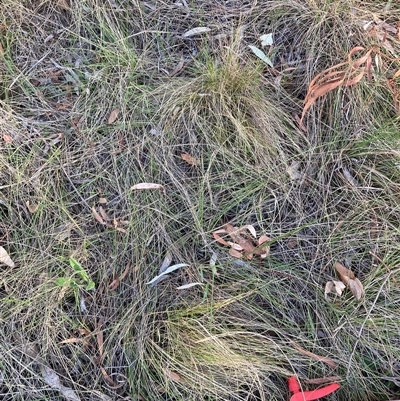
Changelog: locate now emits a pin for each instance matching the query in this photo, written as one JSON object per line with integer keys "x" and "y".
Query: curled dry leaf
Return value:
{"x": 113, "y": 116}
{"x": 5, "y": 258}
{"x": 114, "y": 284}
{"x": 330, "y": 362}
{"x": 348, "y": 278}
{"x": 342, "y": 74}
{"x": 334, "y": 287}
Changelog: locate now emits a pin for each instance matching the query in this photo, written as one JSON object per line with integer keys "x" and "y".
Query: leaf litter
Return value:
{"x": 113, "y": 116}
{"x": 166, "y": 272}
{"x": 5, "y": 258}
{"x": 243, "y": 245}
{"x": 350, "y": 280}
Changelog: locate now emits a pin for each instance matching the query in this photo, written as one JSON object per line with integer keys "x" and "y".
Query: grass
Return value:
{"x": 327, "y": 194}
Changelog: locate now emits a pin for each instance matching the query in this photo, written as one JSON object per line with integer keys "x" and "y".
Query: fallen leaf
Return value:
{"x": 323, "y": 380}
{"x": 348, "y": 278}
{"x": 5, "y": 258}
{"x": 166, "y": 262}
{"x": 267, "y": 40}
{"x": 53, "y": 380}
{"x": 1, "y": 50}
{"x": 167, "y": 271}
{"x": 343, "y": 74}
{"x": 196, "y": 31}
{"x": 190, "y": 159}
{"x": 261, "y": 55}
{"x": 172, "y": 375}
{"x": 356, "y": 288}
{"x": 97, "y": 216}
{"x": 334, "y": 287}
{"x": 242, "y": 245}
{"x": 103, "y": 201}
{"x": 32, "y": 207}
{"x": 114, "y": 284}
{"x": 236, "y": 254}
{"x": 186, "y": 286}
{"x": 7, "y": 138}
{"x": 178, "y": 67}
{"x": 300, "y": 122}
{"x": 108, "y": 379}
{"x": 330, "y": 362}
{"x": 103, "y": 213}
{"x": 147, "y": 185}
{"x": 100, "y": 339}
{"x": 263, "y": 251}
{"x": 74, "y": 340}
{"x": 113, "y": 116}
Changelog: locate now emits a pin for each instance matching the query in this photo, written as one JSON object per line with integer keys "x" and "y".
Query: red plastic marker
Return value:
{"x": 298, "y": 395}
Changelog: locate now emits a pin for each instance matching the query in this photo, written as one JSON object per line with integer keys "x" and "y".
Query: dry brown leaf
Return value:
{"x": 236, "y": 254}
{"x": 190, "y": 159}
{"x": 114, "y": 284}
{"x": 147, "y": 185}
{"x": 220, "y": 239}
{"x": 32, "y": 207}
{"x": 348, "y": 278}
{"x": 178, "y": 67}
{"x": 345, "y": 74}
{"x": 172, "y": 375}
{"x": 323, "y": 380}
{"x": 108, "y": 379}
{"x": 356, "y": 288}
{"x": 113, "y": 116}
{"x": 5, "y": 258}
{"x": 242, "y": 244}
{"x": 344, "y": 273}
{"x": 7, "y": 138}
{"x": 100, "y": 339}
{"x": 330, "y": 362}
{"x": 103, "y": 213}
{"x": 75, "y": 340}
{"x": 97, "y": 216}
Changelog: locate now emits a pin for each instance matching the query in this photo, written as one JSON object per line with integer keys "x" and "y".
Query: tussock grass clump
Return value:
{"x": 200, "y": 115}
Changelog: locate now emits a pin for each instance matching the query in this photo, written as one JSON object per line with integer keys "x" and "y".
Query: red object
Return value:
{"x": 298, "y": 395}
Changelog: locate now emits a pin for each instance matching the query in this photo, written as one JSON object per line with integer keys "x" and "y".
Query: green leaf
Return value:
{"x": 79, "y": 269}
{"x": 63, "y": 282}
{"x": 261, "y": 55}
{"x": 91, "y": 285}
